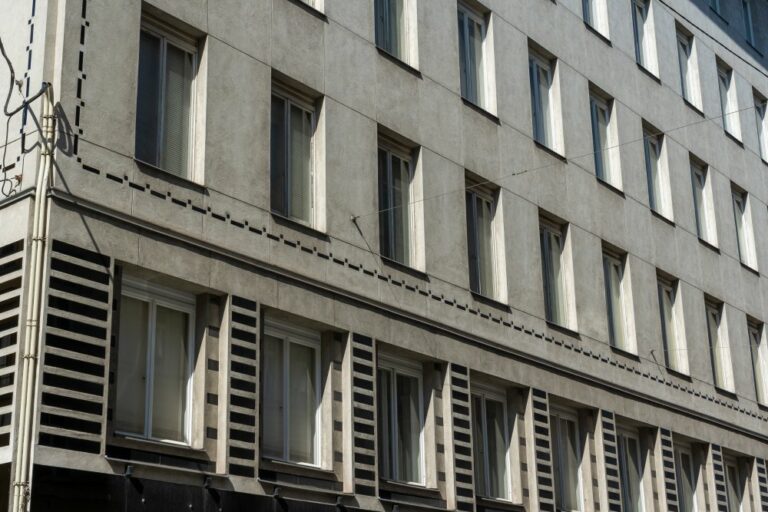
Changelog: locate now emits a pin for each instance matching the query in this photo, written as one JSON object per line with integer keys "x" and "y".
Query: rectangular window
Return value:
{"x": 631, "y": 467}
{"x": 672, "y": 333}
{"x": 480, "y": 241}
{"x": 595, "y": 15}
{"x": 472, "y": 65}
{"x": 154, "y": 363}
{"x": 640, "y": 9}
{"x": 552, "y": 246}
{"x": 761, "y": 119}
{"x": 613, "y": 277}
{"x": 702, "y": 202}
{"x": 601, "y": 112}
{"x": 658, "y": 195}
{"x": 743, "y": 222}
{"x": 491, "y": 445}
{"x": 759, "y": 349}
{"x": 541, "y": 78}
{"x": 734, "y": 486}
{"x": 728, "y": 106}
{"x": 715, "y": 5}
{"x": 686, "y": 475}
{"x": 394, "y": 205}
{"x": 719, "y": 347}
{"x": 749, "y": 27}
{"x": 167, "y": 69}
{"x": 291, "y": 158}
{"x": 566, "y": 452}
{"x": 401, "y": 422}
{"x": 391, "y": 27}
{"x": 684, "y": 52}
{"x": 291, "y": 394}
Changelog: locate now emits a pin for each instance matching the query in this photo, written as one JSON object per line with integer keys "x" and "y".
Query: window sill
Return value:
{"x": 550, "y": 151}
{"x": 694, "y": 108}
{"x": 726, "y": 392}
{"x": 284, "y": 221}
{"x": 563, "y": 330}
{"x": 164, "y": 467}
{"x": 129, "y": 441}
{"x": 299, "y": 477}
{"x": 733, "y": 138}
{"x": 410, "y": 495}
{"x": 311, "y": 10}
{"x": 647, "y": 72}
{"x": 750, "y": 269}
{"x": 406, "y": 269}
{"x": 488, "y": 301}
{"x": 481, "y": 110}
{"x": 152, "y": 453}
{"x": 709, "y": 245}
{"x": 162, "y": 174}
{"x": 684, "y": 376}
{"x": 399, "y": 62}
{"x": 625, "y": 353}
{"x": 662, "y": 217}
{"x": 610, "y": 187}
{"x": 493, "y": 504}
{"x": 599, "y": 35}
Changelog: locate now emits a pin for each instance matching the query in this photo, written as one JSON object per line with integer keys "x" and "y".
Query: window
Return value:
{"x": 291, "y": 163}
{"x": 401, "y": 421}
{"x": 702, "y": 203}
{"x": 728, "y": 105}
{"x": 566, "y": 452}
{"x": 658, "y": 187}
{"x": 672, "y": 331}
{"x": 631, "y": 467}
{"x": 744, "y": 233}
{"x": 541, "y": 76}
{"x": 759, "y": 349}
{"x": 715, "y": 5}
{"x": 749, "y": 28}
{"x": 491, "y": 444}
{"x": 481, "y": 241}
{"x": 472, "y": 55}
{"x": 686, "y": 475}
{"x": 395, "y": 205}
{"x": 606, "y": 167}
{"x": 291, "y": 394}
{"x": 719, "y": 347}
{"x": 594, "y": 15}
{"x": 613, "y": 277}
{"x": 164, "y": 105}
{"x": 734, "y": 485}
{"x": 761, "y": 106}
{"x": 396, "y": 29}
{"x": 640, "y": 10}
{"x": 687, "y": 68}
{"x": 154, "y": 363}
{"x": 552, "y": 246}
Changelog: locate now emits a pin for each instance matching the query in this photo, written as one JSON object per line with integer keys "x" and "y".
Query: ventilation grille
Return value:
{"x": 243, "y": 379}
{"x": 77, "y": 330}
{"x": 610, "y": 447}
{"x": 11, "y": 259}
{"x": 543, "y": 449}
{"x": 363, "y": 414}
{"x": 718, "y": 470}
{"x": 462, "y": 437}
{"x": 762, "y": 483}
{"x": 668, "y": 462}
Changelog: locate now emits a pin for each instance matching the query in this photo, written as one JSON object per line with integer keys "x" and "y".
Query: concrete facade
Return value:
{"x": 214, "y": 236}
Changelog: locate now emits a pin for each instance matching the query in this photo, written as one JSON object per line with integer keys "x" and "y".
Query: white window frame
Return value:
{"x": 624, "y": 433}
{"x": 169, "y": 35}
{"x": 606, "y": 163}
{"x": 742, "y": 216}
{"x": 758, "y": 342}
{"x": 482, "y": 94}
{"x": 487, "y": 393}
{"x": 704, "y": 210}
{"x": 395, "y": 366}
{"x": 410, "y": 230}
{"x": 675, "y": 344}
{"x": 157, "y": 295}
{"x": 722, "y": 366}
{"x": 680, "y": 450}
{"x": 617, "y": 261}
{"x": 542, "y": 119}
{"x": 761, "y": 120}
{"x": 291, "y": 334}
{"x": 728, "y": 101}
{"x": 560, "y": 414}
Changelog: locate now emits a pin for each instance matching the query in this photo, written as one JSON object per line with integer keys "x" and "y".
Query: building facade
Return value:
{"x": 385, "y": 255}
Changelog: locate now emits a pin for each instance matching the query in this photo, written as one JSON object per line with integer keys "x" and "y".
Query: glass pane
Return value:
{"x": 301, "y": 163}
{"x": 759, "y": 364}
{"x": 484, "y": 247}
{"x": 632, "y": 475}
{"x": 724, "y": 80}
{"x": 408, "y": 429}
{"x": 473, "y": 252}
{"x": 612, "y": 272}
{"x": 177, "y": 102}
{"x": 570, "y": 447}
{"x": 131, "y": 394}
{"x": 397, "y": 28}
{"x": 558, "y": 279}
{"x": 278, "y": 164}
{"x": 463, "y": 51}
{"x": 148, "y": 99}
{"x": 476, "y": 47}
{"x": 400, "y": 186}
{"x": 385, "y": 206}
{"x": 638, "y": 20}
{"x": 385, "y": 412}
{"x": 479, "y": 442}
{"x": 171, "y": 374}
{"x": 682, "y": 58}
{"x": 273, "y": 396}
{"x": 686, "y": 485}
{"x": 302, "y": 400}
{"x": 497, "y": 448}
{"x": 544, "y": 83}
{"x": 734, "y": 488}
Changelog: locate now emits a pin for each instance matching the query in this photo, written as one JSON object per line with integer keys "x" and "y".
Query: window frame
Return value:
{"x": 761, "y": 121}
{"x": 681, "y": 450}
{"x": 623, "y": 434}
{"x": 542, "y": 119}
{"x": 684, "y": 58}
{"x": 484, "y": 193}
{"x": 563, "y": 414}
{"x": 481, "y": 87}
{"x": 605, "y": 167}
{"x": 169, "y": 35}
{"x": 393, "y": 150}
{"x": 722, "y": 365}
{"x": 729, "y": 111}
{"x": 485, "y": 393}
{"x": 758, "y": 345}
{"x": 617, "y": 261}
{"x": 400, "y": 366}
{"x": 639, "y": 31}
{"x": 292, "y": 334}
{"x": 156, "y": 295}
{"x": 674, "y": 358}
{"x": 704, "y": 209}
{"x": 659, "y": 195}
{"x": 745, "y": 238}
{"x": 728, "y": 463}
{"x": 553, "y": 229}
{"x": 749, "y": 26}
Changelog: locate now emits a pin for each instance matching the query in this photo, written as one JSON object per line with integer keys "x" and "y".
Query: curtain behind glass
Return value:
{"x": 686, "y": 485}
{"x": 484, "y": 245}
{"x": 177, "y": 104}
{"x": 130, "y": 399}
{"x": 463, "y": 64}
{"x": 613, "y": 276}
{"x": 301, "y": 158}
{"x": 408, "y": 429}
{"x": 302, "y": 398}
{"x": 758, "y": 362}
{"x": 171, "y": 374}
{"x": 148, "y": 99}
{"x": 734, "y": 488}
{"x": 278, "y": 153}
{"x": 478, "y": 442}
{"x": 473, "y": 254}
{"x": 631, "y": 473}
{"x": 739, "y": 208}
{"x": 272, "y": 394}
{"x": 713, "y": 326}
{"x": 400, "y": 207}
{"x": 497, "y": 449}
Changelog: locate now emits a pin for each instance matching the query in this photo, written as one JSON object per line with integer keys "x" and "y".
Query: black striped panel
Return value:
{"x": 718, "y": 470}
{"x": 77, "y": 333}
{"x": 243, "y": 382}
{"x": 542, "y": 444}
{"x": 462, "y": 437}
{"x": 11, "y": 273}
{"x": 611, "y": 456}
{"x": 364, "y": 414}
{"x": 762, "y": 483}
{"x": 668, "y": 465}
